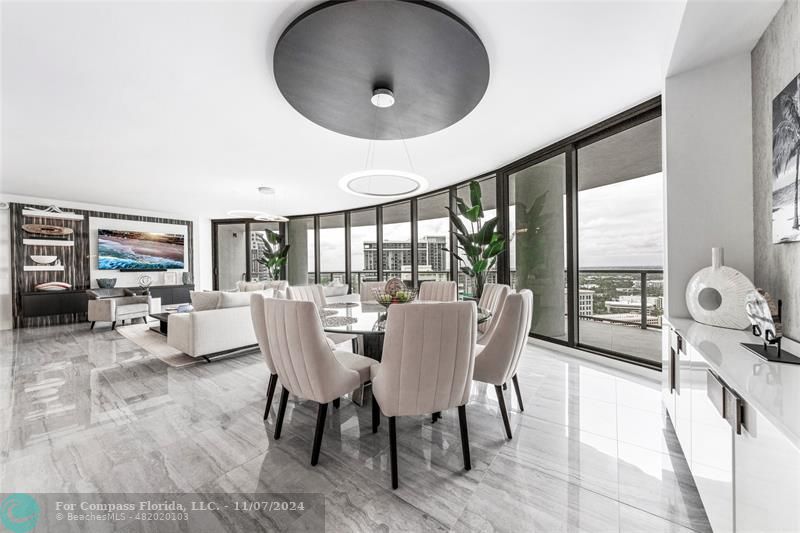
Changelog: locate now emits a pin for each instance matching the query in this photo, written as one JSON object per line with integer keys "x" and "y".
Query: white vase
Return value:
{"x": 716, "y": 295}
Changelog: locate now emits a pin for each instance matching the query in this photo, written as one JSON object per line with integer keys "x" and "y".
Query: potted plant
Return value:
{"x": 274, "y": 255}
{"x": 479, "y": 242}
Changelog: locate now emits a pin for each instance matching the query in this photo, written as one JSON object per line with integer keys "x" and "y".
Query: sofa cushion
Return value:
{"x": 205, "y": 300}
{"x": 234, "y": 299}
{"x": 250, "y": 286}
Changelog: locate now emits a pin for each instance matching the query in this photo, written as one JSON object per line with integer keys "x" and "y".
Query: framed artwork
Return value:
{"x": 786, "y": 164}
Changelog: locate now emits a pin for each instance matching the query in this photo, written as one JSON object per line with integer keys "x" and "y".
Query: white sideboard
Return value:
{"x": 737, "y": 418}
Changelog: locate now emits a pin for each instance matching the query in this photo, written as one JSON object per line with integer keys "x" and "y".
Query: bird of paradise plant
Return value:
{"x": 274, "y": 255}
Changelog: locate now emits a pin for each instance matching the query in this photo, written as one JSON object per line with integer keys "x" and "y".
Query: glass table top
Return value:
{"x": 366, "y": 318}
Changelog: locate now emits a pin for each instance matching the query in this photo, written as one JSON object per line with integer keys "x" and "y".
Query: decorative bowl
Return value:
{"x": 44, "y": 259}
{"x": 106, "y": 283}
{"x": 386, "y": 299}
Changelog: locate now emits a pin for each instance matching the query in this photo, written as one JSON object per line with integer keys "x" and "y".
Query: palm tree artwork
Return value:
{"x": 786, "y": 163}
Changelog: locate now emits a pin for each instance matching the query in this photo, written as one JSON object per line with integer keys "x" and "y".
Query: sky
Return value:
{"x": 619, "y": 225}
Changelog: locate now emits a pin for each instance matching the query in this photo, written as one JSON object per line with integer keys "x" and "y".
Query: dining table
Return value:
{"x": 367, "y": 320}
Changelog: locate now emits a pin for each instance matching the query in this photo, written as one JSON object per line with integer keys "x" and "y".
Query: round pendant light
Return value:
{"x": 383, "y": 183}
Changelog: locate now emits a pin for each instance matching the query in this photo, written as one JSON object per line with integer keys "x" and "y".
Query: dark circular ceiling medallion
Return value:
{"x": 331, "y": 59}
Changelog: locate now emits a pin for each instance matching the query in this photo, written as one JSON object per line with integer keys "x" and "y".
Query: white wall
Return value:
{"x": 201, "y": 242}
{"x": 708, "y": 172}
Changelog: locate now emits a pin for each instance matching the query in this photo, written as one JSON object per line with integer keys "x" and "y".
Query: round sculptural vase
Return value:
{"x": 716, "y": 295}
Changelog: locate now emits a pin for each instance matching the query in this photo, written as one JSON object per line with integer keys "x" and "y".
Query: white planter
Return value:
{"x": 716, "y": 295}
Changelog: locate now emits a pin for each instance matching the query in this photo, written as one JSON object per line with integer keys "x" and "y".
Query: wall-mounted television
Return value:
{"x": 139, "y": 250}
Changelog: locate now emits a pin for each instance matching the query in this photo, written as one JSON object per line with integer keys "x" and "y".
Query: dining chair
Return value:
{"x": 306, "y": 364}
{"x": 316, "y": 294}
{"x": 427, "y": 366}
{"x": 492, "y": 299}
{"x": 496, "y": 361}
{"x": 367, "y": 294}
{"x": 438, "y": 291}
{"x": 260, "y": 327}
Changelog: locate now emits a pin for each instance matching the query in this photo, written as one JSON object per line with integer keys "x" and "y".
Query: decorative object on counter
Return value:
{"x": 393, "y": 285}
{"x": 46, "y": 229}
{"x": 765, "y": 318}
{"x": 43, "y": 259}
{"x": 786, "y": 163}
{"x": 144, "y": 282}
{"x": 50, "y": 212}
{"x": 187, "y": 278}
{"x": 400, "y": 296}
{"x": 106, "y": 283}
{"x": 52, "y": 286}
{"x": 716, "y": 295}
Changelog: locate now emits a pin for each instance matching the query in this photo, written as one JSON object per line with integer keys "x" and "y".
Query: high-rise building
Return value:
{"x": 431, "y": 254}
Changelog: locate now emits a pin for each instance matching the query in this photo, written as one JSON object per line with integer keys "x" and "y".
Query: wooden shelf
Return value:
{"x": 60, "y": 216}
{"x": 43, "y": 268}
{"x": 47, "y": 242}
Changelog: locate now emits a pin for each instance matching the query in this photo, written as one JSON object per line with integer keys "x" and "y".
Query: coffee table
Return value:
{"x": 163, "y": 321}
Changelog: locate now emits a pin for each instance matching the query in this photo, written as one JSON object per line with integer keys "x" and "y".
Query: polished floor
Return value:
{"x": 86, "y": 411}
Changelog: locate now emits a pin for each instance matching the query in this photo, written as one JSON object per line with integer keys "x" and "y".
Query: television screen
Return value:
{"x": 138, "y": 250}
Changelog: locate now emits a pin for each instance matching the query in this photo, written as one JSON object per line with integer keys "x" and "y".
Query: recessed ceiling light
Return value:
{"x": 382, "y": 98}
{"x": 382, "y": 183}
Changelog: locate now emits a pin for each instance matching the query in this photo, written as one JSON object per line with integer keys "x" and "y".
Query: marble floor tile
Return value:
{"x": 87, "y": 410}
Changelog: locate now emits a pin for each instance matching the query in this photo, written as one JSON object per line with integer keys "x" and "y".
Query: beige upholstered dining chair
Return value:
{"x": 493, "y": 297}
{"x": 260, "y": 327}
{"x": 427, "y": 365}
{"x": 496, "y": 361}
{"x": 306, "y": 364}
{"x": 438, "y": 291}
{"x": 316, "y": 294}
{"x": 367, "y": 294}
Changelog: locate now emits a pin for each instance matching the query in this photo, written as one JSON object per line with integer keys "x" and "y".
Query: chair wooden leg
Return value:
{"x": 393, "y": 450}
{"x": 113, "y": 325}
{"x": 321, "y": 412}
{"x": 281, "y": 412}
{"x": 273, "y": 380}
{"x": 376, "y": 414}
{"x": 519, "y": 394}
{"x": 502, "y": 402}
{"x": 462, "y": 422}
{"x": 336, "y": 402}
{"x": 92, "y": 326}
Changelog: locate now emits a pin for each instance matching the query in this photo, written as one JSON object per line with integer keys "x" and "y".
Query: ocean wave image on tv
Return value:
{"x": 138, "y": 250}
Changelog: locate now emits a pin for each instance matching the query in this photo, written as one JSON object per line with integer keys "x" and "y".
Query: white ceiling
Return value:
{"x": 173, "y": 107}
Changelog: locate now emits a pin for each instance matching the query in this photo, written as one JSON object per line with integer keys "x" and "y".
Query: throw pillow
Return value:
{"x": 250, "y": 286}
{"x": 234, "y": 299}
{"x": 205, "y": 301}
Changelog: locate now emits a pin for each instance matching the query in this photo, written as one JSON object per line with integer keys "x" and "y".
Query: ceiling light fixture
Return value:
{"x": 382, "y": 98}
{"x": 382, "y": 183}
{"x": 260, "y": 216}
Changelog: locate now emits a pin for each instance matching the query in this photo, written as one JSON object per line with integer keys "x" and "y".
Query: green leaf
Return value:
{"x": 480, "y": 266}
{"x": 467, "y": 271}
{"x": 486, "y": 233}
{"x": 475, "y": 196}
{"x": 457, "y": 222}
{"x": 462, "y": 206}
{"x": 474, "y": 213}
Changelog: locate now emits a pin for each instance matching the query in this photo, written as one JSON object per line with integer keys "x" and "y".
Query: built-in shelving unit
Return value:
{"x": 60, "y": 216}
{"x": 47, "y": 242}
{"x": 43, "y": 268}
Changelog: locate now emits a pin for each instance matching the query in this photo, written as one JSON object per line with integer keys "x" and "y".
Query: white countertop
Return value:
{"x": 773, "y": 389}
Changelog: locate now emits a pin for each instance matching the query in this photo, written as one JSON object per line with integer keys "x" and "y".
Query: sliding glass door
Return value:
{"x": 237, "y": 246}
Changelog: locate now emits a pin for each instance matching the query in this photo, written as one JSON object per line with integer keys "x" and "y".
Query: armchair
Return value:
{"x": 112, "y": 305}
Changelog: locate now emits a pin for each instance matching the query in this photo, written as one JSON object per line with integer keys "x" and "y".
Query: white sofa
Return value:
{"x": 204, "y": 333}
{"x": 220, "y": 323}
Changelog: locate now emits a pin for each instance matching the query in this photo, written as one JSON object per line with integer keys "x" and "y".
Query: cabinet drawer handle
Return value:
{"x": 715, "y": 390}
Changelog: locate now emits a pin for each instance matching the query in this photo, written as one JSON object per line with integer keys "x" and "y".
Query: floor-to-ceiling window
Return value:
{"x": 397, "y": 255}
{"x": 301, "y": 266}
{"x": 620, "y": 242}
{"x": 332, "y": 252}
{"x": 260, "y": 237}
{"x": 433, "y": 240}
{"x": 238, "y": 245}
{"x": 537, "y": 223}
{"x": 363, "y": 248}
